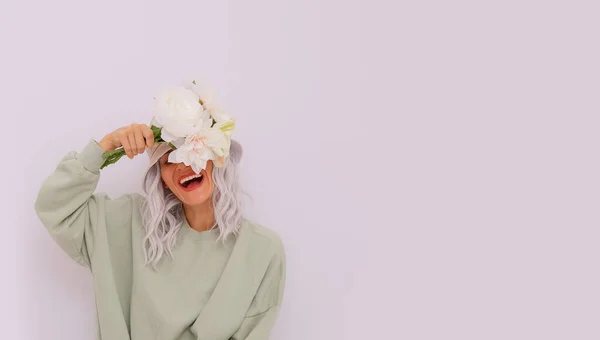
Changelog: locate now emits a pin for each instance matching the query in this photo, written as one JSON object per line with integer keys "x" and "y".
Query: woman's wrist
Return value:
{"x": 106, "y": 144}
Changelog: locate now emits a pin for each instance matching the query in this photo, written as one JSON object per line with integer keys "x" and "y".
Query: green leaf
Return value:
{"x": 157, "y": 132}
{"x": 111, "y": 157}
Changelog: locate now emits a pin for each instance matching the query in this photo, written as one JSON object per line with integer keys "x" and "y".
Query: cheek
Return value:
{"x": 211, "y": 187}
{"x": 166, "y": 175}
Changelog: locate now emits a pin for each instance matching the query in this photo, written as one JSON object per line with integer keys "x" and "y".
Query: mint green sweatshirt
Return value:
{"x": 208, "y": 291}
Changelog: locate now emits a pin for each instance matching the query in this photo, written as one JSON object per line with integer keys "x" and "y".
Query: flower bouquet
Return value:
{"x": 188, "y": 118}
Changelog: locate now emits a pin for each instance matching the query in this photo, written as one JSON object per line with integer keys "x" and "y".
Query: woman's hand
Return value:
{"x": 133, "y": 138}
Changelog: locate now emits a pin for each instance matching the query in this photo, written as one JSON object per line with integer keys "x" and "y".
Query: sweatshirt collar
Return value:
{"x": 198, "y": 236}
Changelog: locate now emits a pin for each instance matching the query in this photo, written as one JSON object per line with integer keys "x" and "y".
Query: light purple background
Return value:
{"x": 432, "y": 166}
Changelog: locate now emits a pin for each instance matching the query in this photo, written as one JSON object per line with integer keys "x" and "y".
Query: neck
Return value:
{"x": 200, "y": 217}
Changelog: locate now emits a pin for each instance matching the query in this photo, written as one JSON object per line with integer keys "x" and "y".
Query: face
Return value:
{"x": 195, "y": 192}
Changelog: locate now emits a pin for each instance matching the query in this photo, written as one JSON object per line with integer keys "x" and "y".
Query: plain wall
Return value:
{"x": 432, "y": 166}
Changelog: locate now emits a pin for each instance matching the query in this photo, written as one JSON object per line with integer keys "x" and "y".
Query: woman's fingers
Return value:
{"x": 139, "y": 138}
{"x": 124, "y": 139}
{"x": 134, "y": 138}
{"x": 148, "y": 135}
{"x": 132, "y": 142}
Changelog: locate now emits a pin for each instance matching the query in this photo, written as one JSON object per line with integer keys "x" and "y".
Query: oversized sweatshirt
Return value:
{"x": 209, "y": 290}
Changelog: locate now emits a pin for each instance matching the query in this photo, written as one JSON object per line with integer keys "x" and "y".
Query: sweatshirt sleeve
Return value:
{"x": 265, "y": 307}
{"x": 68, "y": 208}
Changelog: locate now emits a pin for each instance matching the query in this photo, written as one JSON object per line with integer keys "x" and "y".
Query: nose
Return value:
{"x": 181, "y": 166}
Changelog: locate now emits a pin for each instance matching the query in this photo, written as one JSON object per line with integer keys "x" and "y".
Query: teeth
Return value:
{"x": 189, "y": 178}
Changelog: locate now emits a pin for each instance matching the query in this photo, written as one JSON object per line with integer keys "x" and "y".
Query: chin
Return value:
{"x": 193, "y": 201}
{"x": 194, "y": 197}
{"x": 196, "y": 194}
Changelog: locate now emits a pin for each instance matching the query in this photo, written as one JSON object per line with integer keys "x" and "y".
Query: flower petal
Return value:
{"x": 167, "y": 136}
{"x": 173, "y": 157}
{"x": 204, "y": 91}
{"x": 219, "y": 115}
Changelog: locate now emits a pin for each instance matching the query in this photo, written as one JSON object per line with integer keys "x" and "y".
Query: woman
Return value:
{"x": 179, "y": 262}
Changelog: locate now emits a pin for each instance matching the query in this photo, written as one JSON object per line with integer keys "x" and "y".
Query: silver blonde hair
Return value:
{"x": 162, "y": 212}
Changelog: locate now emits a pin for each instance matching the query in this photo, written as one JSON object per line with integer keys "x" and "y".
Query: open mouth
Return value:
{"x": 191, "y": 182}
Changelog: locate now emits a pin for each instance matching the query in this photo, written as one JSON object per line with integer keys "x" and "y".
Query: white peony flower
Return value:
{"x": 204, "y": 92}
{"x": 222, "y": 120}
{"x": 204, "y": 145}
{"x": 206, "y": 95}
{"x": 219, "y": 115}
{"x": 178, "y": 112}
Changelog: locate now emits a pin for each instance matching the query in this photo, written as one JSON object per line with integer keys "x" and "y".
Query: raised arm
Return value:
{"x": 66, "y": 203}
